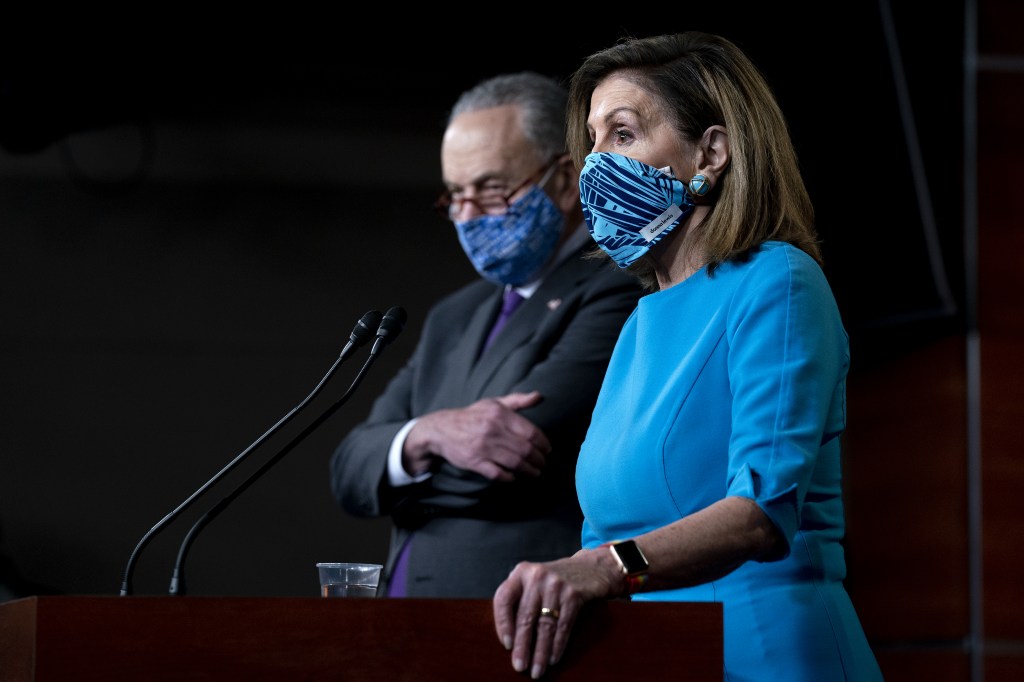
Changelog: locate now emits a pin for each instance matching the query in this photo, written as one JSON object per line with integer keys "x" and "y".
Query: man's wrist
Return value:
{"x": 398, "y": 474}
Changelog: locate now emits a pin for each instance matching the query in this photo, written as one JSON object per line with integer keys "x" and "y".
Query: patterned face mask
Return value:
{"x": 629, "y": 206}
{"x": 513, "y": 247}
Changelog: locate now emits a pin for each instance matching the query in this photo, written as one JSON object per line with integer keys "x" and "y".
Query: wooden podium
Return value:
{"x": 363, "y": 640}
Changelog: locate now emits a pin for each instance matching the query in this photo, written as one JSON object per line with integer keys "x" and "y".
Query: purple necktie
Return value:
{"x": 396, "y": 583}
{"x": 399, "y": 574}
{"x": 511, "y": 301}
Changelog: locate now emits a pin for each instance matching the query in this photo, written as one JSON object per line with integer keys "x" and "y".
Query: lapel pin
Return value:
{"x": 554, "y": 303}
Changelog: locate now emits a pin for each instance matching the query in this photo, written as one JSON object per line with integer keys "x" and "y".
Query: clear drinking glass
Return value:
{"x": 348, "y": 579}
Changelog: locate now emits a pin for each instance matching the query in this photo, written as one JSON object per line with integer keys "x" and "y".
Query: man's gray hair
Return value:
{"x": 542, "y": 100}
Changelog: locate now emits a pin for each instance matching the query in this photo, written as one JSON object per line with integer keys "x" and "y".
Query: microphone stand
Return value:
{"x": 177, "y": 586}
{"x": 359, "y": 336}
{"x": 391, "y": 324}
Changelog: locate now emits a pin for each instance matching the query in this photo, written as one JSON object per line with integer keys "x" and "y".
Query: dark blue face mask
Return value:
{"x": 629, "y": 206}
{"x": 513, "y": 247}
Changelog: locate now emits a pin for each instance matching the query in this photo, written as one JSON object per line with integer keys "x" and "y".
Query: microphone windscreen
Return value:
{"x": 365, "y": 327}
{"x": 392, "y": 323}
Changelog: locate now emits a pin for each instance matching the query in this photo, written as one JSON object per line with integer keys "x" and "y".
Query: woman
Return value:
{"x": 714, "y": 445}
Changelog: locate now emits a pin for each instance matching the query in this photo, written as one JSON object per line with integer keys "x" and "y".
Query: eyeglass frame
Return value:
{"x": 448, "y": 207}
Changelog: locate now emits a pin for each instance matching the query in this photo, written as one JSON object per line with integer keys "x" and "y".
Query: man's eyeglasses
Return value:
{"x": 488, "y": 201}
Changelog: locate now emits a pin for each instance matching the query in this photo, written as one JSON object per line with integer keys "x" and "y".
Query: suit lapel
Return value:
{"x": 552, "y": 298}
{"x": 469, "y": 344}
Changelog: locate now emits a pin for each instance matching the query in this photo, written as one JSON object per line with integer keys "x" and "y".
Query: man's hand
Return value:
{"x": 489, "y": 437}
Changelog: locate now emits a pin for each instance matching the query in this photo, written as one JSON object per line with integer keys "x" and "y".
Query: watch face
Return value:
{"x": 633, "y": 560}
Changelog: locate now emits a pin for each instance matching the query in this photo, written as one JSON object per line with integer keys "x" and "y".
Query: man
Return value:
{"x": 471, "y": 449}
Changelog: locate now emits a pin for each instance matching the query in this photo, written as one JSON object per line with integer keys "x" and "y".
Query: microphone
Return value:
{"x": 390, "y": 327}
{"x": 359, "y": 336}
{"x": 361, "y": 333}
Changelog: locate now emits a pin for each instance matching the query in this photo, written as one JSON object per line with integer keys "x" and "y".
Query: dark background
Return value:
{"x": 186, "y": 248}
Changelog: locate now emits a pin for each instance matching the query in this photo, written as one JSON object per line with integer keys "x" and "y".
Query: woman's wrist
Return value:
{"x": 618, "y": 587}
{"x": 629, "y": 563}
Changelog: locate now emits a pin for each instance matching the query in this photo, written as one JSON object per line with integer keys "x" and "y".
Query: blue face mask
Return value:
{"x": 629, "y": 206}
{"x": 513, "y": 247}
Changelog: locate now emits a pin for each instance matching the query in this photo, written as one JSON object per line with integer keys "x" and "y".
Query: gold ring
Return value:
{"x": 545, "y": 611}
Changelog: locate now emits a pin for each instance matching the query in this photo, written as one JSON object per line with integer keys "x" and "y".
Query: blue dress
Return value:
{"x": 735, "y": 385}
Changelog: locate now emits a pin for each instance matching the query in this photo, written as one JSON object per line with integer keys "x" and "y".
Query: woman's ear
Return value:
{"x": 713, "y": 157}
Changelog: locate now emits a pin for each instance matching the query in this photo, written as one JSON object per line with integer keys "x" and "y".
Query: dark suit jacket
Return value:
{"x": 470, "y": 532}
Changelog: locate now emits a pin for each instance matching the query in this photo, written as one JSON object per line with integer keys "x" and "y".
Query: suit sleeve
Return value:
{"x": 567, "y": 368}
{"x": 568, "y": 372}
{"x": 358, "y": 466}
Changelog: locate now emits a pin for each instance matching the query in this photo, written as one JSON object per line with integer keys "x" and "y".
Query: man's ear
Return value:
{"x": 564, "y": 186}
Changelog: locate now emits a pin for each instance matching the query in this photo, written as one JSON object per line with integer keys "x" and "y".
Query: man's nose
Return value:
{"x": 464, "y": 209}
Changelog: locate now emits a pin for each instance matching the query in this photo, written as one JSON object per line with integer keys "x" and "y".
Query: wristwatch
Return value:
{"x": 632, "y": 562}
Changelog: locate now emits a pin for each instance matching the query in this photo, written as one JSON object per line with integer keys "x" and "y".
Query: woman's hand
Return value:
{"x": 536, "y": 607}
